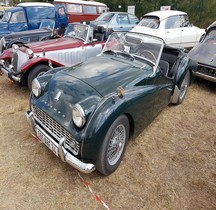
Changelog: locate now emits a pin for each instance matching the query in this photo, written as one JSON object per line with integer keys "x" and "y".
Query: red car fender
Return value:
{"x": 7, "y": 54}
{"x": 40, "y": 60}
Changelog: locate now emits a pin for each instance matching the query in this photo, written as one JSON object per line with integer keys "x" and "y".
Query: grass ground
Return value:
{"x": 170, "y": 166}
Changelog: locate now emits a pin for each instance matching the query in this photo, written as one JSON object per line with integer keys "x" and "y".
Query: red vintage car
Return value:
{"x": 23, "y": 64}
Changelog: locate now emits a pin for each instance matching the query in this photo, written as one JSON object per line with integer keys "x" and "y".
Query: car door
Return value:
{"x": 188, "y": 33}
{"x": 173, "y": 31}
{"x": 18, "y": 22}
{"x": 121, "y": 23}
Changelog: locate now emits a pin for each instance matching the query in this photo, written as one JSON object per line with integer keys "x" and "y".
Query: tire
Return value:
{"x": 35, "y": 71}
{"x": 113, "y": 146}
{"x": 183, "y": 88}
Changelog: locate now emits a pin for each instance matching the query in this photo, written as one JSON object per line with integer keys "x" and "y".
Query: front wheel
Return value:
{"x": 39, "y": 69}
{"x": 183, "y": 88}
{"x": 113, "y": 146}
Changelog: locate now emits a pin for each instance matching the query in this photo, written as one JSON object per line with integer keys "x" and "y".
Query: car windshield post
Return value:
{"x": 142, "y": 46}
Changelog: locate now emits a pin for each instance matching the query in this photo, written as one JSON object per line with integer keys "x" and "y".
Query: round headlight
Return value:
{"x": 15, "y": 47}
{"x": 29, "y": 53}
{"x": 36, "y": 87}
{"x": 78, "y": 115}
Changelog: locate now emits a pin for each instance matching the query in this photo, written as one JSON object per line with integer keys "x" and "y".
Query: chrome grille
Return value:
{"x": 56, "y": 130}
{"x": 19, "y": 58}
{"x": 210, "y": 71}
{"x": 15, "y": 61}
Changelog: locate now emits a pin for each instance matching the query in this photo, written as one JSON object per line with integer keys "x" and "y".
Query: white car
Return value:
{"x": 172, "y": 26}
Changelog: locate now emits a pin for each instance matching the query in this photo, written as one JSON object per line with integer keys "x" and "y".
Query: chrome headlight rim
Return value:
{"x": 78, "y": 116}
{"x": 29, "y": 53}
{"x": 15, "y": 47}
{"x": 36, "y": 87}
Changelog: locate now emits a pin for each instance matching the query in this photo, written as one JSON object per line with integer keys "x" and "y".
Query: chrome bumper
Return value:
{"x": 204, "y": 76}
{"x": 8, "y": 72}
{"x": 63, "y": 153}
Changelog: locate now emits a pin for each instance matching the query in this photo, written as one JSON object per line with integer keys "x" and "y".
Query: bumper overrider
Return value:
{"x": 59, "y": 148}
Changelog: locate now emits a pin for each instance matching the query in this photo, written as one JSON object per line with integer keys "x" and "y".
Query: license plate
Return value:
{"x": 51, "y": 144}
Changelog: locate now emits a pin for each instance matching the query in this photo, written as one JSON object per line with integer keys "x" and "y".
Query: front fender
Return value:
{"x": 106, "y": 112}
{"x": 40, "y": 60}
{"x": 7, "y": 54}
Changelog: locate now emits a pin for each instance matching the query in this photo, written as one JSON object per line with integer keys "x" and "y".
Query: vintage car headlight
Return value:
{"x": 29, "y": 53}
{"x": 15, "y": 47}
{"x": 78, "y": 116}
{"x": 36, "y": 87}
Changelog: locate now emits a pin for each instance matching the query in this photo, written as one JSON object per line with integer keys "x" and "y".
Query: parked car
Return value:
{"x": 23, "y": 64}
{"x": 204, "y": 53}
{"x": 45, "y": 31}
{"x": 28, "y": 16}
{"x": 115, "y": 21}
{"x": 87, "y": 113}
{"x": 172, "y": 26}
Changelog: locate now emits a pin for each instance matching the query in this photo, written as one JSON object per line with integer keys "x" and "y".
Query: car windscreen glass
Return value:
{"x": 77, "y": 30}
{"x": 6, "y": 16}
{"x": 211, "y": 35}
{"x": 47, "y": 24}
{"x": 105, "y": 17}
{"x": 137, "y": 45}
{"x": 150, "y": 22}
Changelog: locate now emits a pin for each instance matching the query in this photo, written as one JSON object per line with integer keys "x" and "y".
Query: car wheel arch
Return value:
{"x": 100, "y": 130}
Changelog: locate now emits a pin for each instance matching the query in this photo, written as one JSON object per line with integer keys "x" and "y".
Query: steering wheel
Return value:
{"x": 149, "y": 55}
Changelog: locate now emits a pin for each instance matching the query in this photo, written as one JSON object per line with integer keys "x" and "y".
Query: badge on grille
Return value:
{"x": 58, "y": 96}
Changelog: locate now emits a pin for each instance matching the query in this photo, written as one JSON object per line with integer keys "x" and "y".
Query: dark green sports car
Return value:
{"x": 87, "y": 113}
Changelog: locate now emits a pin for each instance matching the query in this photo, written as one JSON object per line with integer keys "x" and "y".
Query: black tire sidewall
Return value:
{"x": 102, "y": 164}
{"x": 35, "y": 71}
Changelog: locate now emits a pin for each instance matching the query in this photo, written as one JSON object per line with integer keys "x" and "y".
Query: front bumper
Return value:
{"x": 62, "y": 152}
{"x": 8, "y": 71}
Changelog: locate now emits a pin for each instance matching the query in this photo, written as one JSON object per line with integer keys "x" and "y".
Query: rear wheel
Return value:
{"x": 113, "y": 146}
{"x": 37, "y": 70}
{"x": 183, "y": 88}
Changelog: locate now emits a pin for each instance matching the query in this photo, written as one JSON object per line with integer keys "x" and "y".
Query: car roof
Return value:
{"x": 162, "y": 14}
{"x": 29, "y": 4}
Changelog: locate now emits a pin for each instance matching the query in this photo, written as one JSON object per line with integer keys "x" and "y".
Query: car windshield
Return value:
{"x": 135, "y": 45}
{"x": 150, "y": 22}
{"x": 79, "y": 31}
{"x": 50, "y": 24}
{"x": 6, "y": 16}
{"x": 105, "y": 17}
{"x": 211, "y": 35}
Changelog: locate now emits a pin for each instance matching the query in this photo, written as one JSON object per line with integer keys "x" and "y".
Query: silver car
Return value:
{"x": 115, "y": 21}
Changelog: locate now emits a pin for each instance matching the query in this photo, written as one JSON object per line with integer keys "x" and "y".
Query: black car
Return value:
{"x": 205, "y": 54}
{"x": 46, "y": 31}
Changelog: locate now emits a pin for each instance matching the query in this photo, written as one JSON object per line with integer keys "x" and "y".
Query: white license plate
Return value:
{"x": 51, "y": 144}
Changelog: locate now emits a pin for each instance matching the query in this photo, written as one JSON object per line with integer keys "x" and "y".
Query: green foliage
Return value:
{"x": 201, "y": 12}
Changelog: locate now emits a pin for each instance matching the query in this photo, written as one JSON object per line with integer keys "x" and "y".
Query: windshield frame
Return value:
{"x": 135, "y": 44}
{"x": 79, "y": 31}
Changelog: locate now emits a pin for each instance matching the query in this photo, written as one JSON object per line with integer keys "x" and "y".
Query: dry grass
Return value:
{"x": 171, "y": 165}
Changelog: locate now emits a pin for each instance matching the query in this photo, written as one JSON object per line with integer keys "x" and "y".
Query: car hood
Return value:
{"x": 143, "y": 29}
{"x": 98, "y": 23}
{"x": 54, "y": 44}
{"x": 86, "y": 84}
{"x": 204, "y": 53}
{"x": 27, "y": 33}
